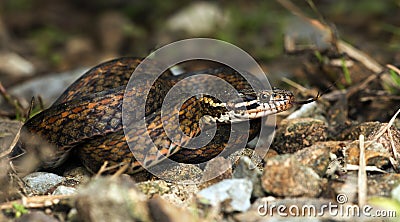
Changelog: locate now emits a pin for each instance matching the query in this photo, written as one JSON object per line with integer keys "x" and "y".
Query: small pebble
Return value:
{"x": 233, "y": 194}
{"x": 42, "y": 182}
{"x": 285, "y": 176}
{"x": 63, "y": 190}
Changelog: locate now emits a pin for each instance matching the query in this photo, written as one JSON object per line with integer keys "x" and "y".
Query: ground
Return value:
{"x": 346, "y": 52}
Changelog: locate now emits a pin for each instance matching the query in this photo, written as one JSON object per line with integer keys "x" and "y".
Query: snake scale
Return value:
{"x": 86, "y": 120}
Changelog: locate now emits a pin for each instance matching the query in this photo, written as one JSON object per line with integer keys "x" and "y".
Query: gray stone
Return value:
{"x": 42, "y": 182}
{"x": 49, "y": 87}
{"x": 396, "y": 193}
{"x": 247, "y": 170}
{"x": 232, "y": 194}
{"x": 111, "y": 199}
{"x": 199, "y": 18}
{"x": 63, "y": 190}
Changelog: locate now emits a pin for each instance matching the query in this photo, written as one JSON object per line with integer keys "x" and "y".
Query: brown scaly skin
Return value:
{"x": 87, "y": 118}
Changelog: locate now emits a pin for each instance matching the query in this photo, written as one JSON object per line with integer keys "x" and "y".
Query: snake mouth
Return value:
{"x": 261, "y": 110}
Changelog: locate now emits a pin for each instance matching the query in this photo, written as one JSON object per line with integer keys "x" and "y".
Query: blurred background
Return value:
{"x": 39, "y": 37}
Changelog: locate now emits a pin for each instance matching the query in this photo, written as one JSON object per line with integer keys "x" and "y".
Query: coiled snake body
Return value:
{"x": 87, "y": 117}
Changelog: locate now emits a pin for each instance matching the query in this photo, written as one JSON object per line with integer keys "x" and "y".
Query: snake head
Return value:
{"x": 251, "y": 105}
{"x": 255, "y": 105}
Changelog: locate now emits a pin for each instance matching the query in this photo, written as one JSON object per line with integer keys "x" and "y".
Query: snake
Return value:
{"x": 86, "y": 120}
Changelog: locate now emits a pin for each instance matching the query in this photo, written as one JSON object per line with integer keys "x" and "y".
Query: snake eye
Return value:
{"x": 264, "y": 97}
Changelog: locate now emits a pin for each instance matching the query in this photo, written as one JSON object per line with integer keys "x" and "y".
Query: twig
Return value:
{"x": 102, "y": 169}
{"x": 395, "y": 160}
{"x": 295, "y": 85}
{"x": 8, "y": 98}
{"x": 394, "y": 68}
{"x": 31, "y": 107}
{"x": 120, "y": 171}
{"x": 41, "y": 103}
{"x": 388, "y": 125}
{"x": 12, "y": 145}
{"x": 360, "y": 56}
{"x": 315, "y": 23}
{"x": 351, "y": 167}
{"x": 362, "y": 175}
{"x": 361, "y": 85}
{"x": 36, "y": 201}
{"x": 366, "y": 60}
{"x": 297, "y": 12}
